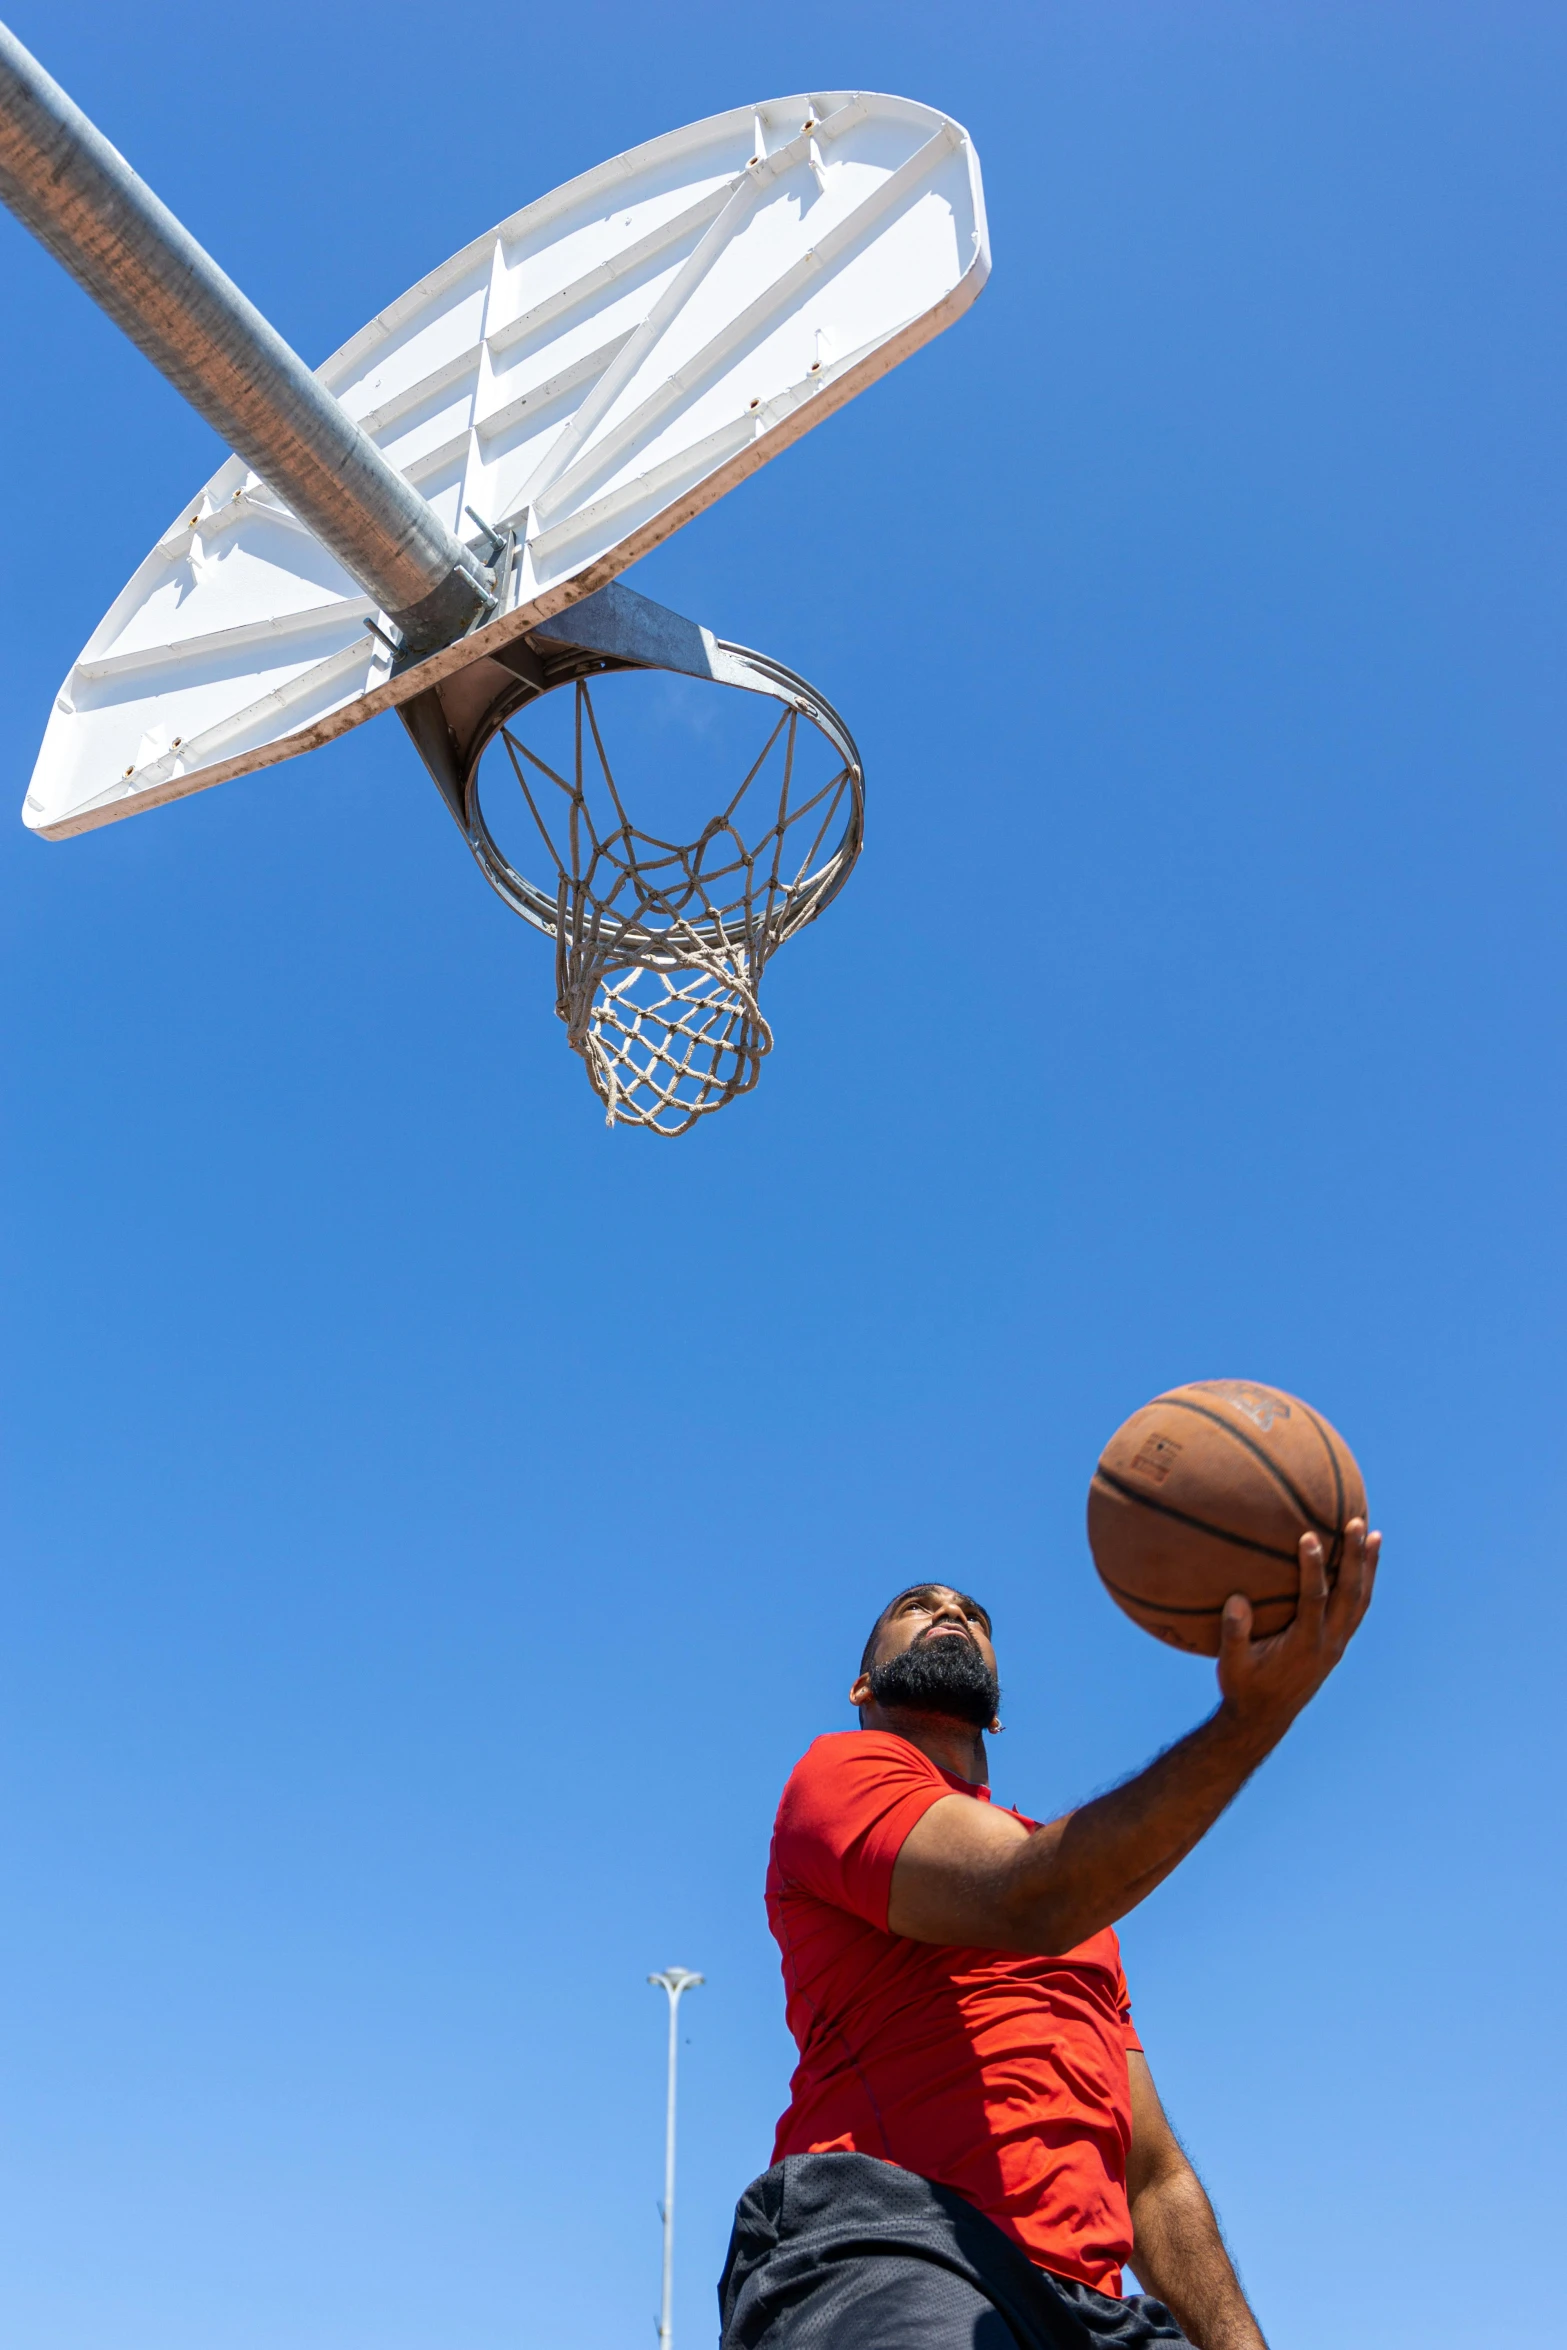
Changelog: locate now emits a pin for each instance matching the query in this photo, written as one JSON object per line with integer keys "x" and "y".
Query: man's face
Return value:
{"x": 917, "y": 1627}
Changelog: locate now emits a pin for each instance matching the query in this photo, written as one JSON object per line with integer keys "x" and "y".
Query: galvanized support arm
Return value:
{"x": 80, "y": 197}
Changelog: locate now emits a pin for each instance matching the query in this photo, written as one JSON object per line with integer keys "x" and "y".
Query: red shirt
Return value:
{"x": 1002, "y": 2077}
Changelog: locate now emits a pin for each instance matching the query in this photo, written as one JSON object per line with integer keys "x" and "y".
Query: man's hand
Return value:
{"x": 1264, "y": 1683}
{"x": 970, "y": 1875}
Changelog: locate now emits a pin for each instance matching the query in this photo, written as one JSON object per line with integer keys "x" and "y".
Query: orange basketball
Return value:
{"x": 1208, "y": 1490}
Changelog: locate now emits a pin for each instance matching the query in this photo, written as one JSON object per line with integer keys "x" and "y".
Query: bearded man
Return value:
{"x": 974, "y": 2145}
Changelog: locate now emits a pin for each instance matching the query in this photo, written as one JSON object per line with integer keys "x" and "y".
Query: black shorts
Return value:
{"x": 842, "y": 2252}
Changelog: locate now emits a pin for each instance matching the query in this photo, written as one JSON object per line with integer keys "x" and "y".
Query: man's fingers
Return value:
{"x": 1312, "y": 1604}
{"x": 1351, "y": 1589}
{"x": 1234, "y": 1637}
{"x": 1346, "y": 1583}
{"x": 1369, "y": 1551}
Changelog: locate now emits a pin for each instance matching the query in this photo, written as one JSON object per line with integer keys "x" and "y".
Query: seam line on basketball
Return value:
{"x": 1280, "y": 1477}
{"x": 1165, "y": 1607}
{"x": 1167, "y": 1510}
{"x": 1336, "y": 1556}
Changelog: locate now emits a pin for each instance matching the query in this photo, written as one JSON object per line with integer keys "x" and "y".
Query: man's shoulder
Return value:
{"x": 842, "y": 1757}
{"x": 846, "y": 1780}
{"x": 850, "y": 1800}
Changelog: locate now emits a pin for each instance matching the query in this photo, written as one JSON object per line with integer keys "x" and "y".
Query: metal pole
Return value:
{"x": 80, "y": 197}
{"x": 674, "y": 1980}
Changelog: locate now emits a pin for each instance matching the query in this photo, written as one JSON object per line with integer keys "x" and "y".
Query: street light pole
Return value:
{"x": 674, "y": 1980}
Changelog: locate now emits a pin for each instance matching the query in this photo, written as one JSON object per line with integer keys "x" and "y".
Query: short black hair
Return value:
{"x": 913, "y": 1591}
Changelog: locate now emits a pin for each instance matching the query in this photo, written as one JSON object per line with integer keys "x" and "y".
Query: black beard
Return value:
{"x": 944, "y": 1676}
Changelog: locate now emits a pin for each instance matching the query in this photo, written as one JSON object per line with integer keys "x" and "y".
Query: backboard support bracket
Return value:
{"x": 624, "y": 629}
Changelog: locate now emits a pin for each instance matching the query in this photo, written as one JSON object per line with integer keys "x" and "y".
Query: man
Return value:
{"x": 974, "y": 2144}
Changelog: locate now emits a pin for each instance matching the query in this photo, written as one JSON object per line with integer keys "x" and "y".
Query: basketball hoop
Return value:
{"x": 608, "y": 362}
{"x": 660, "y": 944}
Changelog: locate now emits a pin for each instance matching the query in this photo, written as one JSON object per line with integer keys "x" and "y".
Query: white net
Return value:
{"x": 660, "y": 945}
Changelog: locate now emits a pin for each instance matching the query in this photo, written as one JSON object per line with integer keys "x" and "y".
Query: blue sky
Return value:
{"x": 432, "y": 1526}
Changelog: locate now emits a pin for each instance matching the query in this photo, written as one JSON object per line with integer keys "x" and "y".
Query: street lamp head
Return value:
{"x": 676, "y": 1979}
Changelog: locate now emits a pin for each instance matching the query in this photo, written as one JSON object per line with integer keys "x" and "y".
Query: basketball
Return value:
{"x": 1208, "y": 1490}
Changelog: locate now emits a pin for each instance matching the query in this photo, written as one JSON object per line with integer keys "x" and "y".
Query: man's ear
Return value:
{"x": 860, "y": 1692}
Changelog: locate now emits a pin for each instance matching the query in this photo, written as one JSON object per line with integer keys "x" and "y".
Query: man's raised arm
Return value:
{"x": 967, "y": 1874}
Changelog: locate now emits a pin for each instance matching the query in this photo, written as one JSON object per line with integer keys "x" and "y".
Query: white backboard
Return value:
{"x": 595, "y": 371}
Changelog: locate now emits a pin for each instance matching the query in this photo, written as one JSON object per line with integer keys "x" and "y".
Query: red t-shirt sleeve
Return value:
{"x": 850, "y": 1802}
